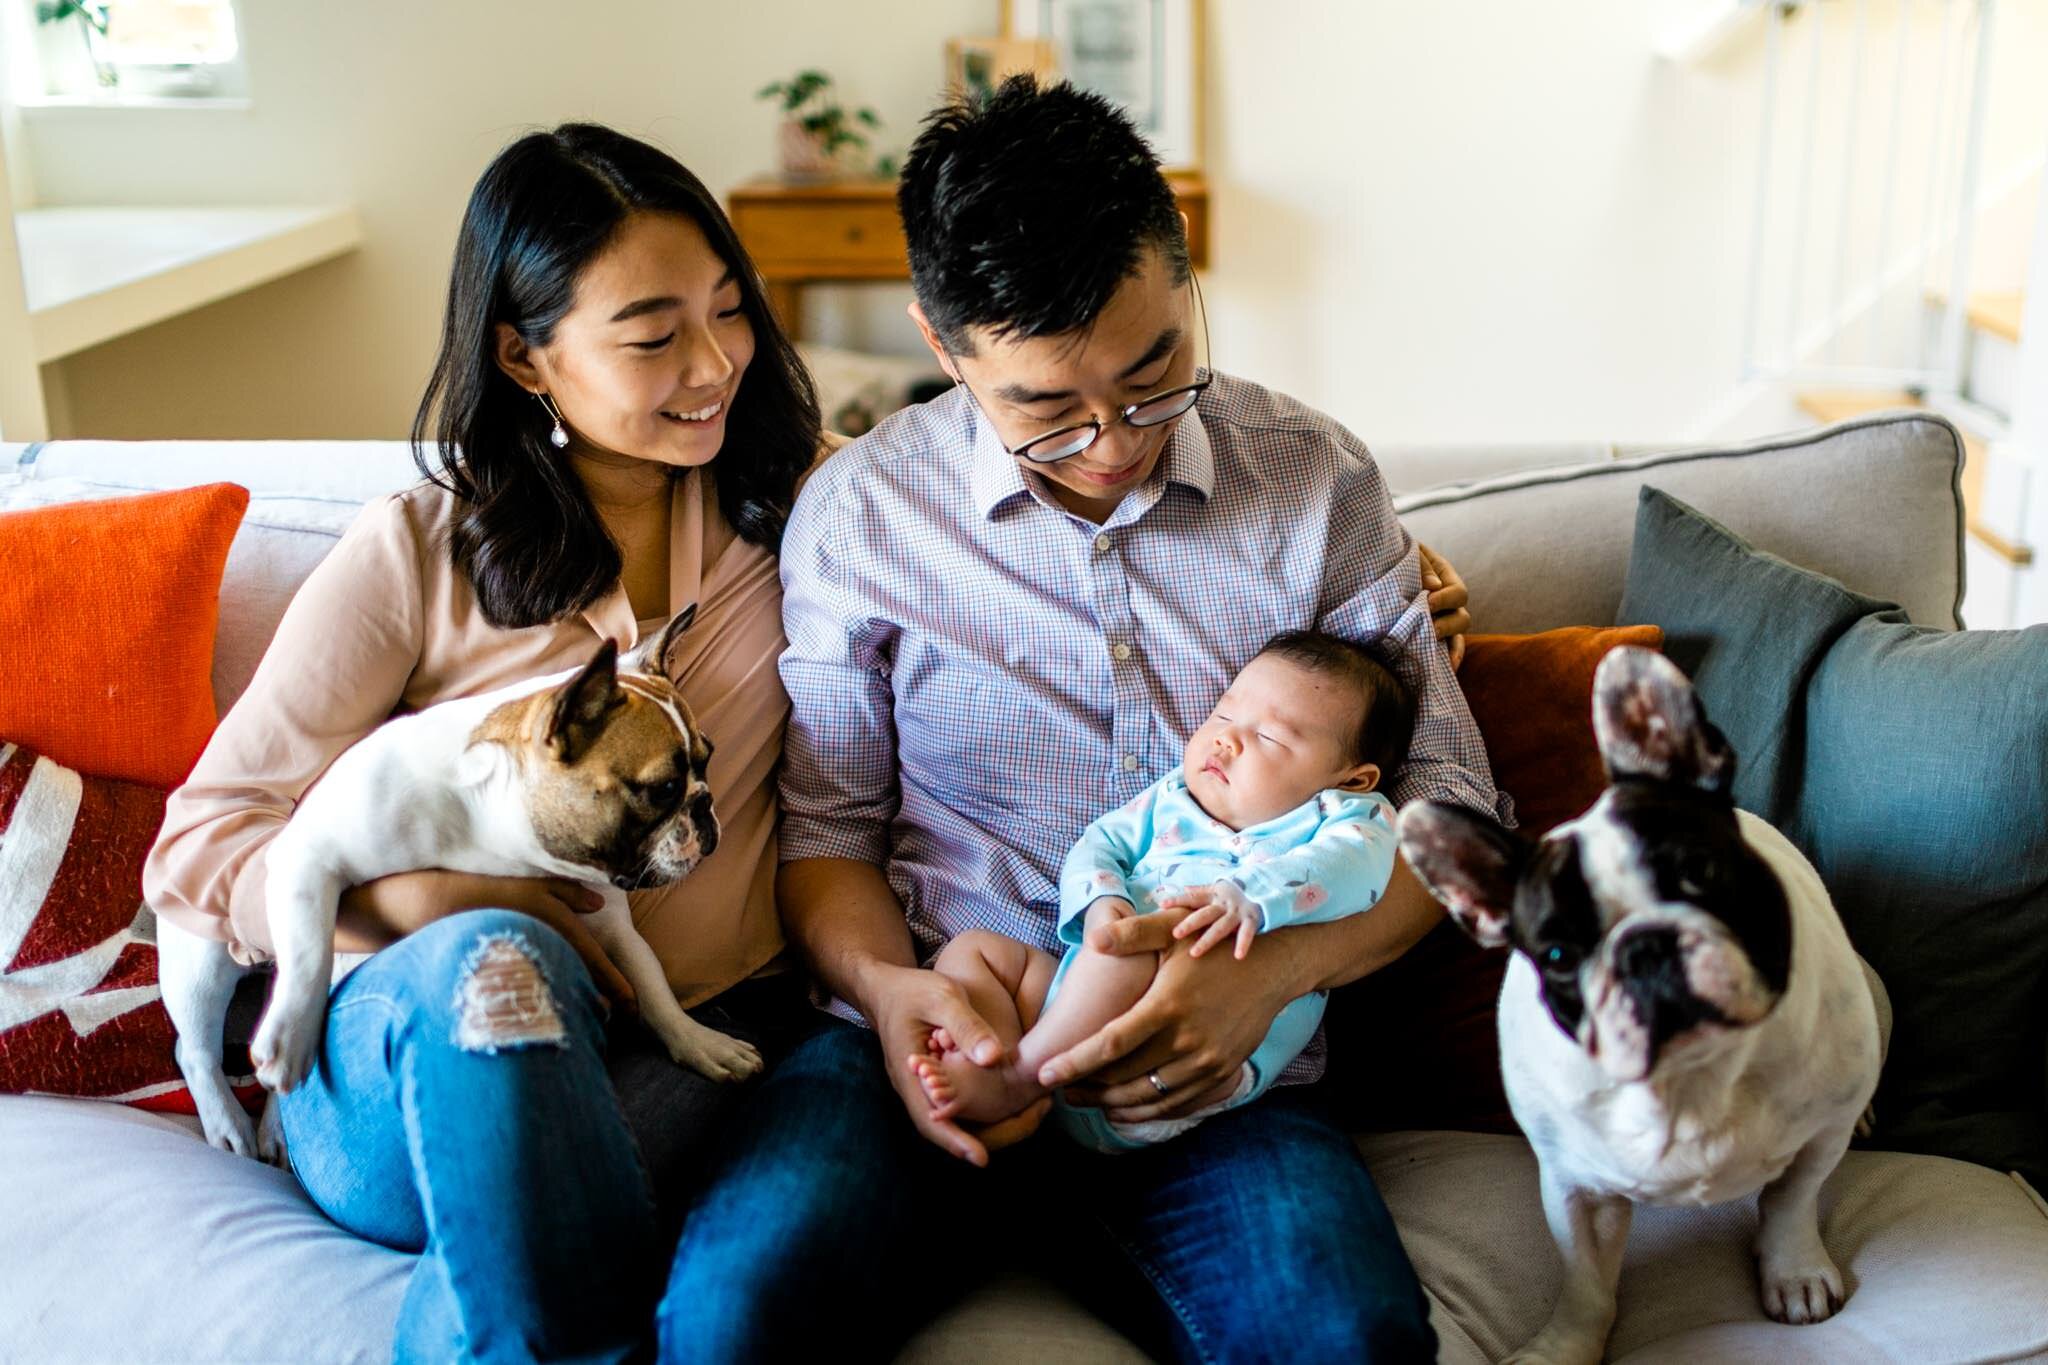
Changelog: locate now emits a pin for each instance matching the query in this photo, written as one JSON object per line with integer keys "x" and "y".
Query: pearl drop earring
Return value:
{"x": 559, "y": 437}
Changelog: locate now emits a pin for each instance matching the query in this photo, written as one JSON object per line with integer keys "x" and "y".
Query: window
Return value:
{"x": 127, "y": 51}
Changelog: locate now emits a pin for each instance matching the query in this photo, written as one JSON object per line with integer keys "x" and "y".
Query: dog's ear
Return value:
{"x": 1650, "y": 723}
{"x": 1468, "y": 862}
{"x": 584, "y": 702}
{"x": 651, "y": 655}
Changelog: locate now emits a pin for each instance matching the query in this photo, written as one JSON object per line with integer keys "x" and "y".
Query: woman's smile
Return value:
{"x": 701, "y": 416}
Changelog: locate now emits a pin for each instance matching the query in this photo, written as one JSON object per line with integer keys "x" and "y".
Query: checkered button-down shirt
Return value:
{"x": 975, "y": 674}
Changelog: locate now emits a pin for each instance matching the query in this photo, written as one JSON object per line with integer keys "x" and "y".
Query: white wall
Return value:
{"x": 1498, "y": 221}
{"x": 1470, "y": 221}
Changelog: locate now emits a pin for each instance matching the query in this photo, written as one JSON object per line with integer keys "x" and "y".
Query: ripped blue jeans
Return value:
{"x": 471, "y": 1056}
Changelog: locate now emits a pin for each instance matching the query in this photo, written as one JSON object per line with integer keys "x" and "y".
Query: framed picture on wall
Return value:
{"x": 976, "y": 66}
{"x": 1145, "y": 55}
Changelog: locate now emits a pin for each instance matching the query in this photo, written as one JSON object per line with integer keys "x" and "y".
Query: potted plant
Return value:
{"x": 816, "y": 128}
{"x": 92, "y": 19}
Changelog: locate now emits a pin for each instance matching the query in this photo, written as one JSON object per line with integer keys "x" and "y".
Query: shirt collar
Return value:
{"x": 995, "y": 477}
{"x": 1188, "y": 460}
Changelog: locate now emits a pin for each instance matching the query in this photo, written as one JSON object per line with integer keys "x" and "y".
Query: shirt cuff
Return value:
{"x": 802, "y": 837}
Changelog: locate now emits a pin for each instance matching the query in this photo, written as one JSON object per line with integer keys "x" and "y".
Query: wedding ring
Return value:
{"x": 1157, "y": 1084}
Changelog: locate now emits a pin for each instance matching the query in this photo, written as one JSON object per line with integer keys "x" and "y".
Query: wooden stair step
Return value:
{"x": 1996, "y": 312}
{"x": 1839, "y": 405}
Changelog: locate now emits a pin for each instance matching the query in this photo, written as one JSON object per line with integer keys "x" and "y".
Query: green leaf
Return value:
{"x": 870, "y": 118}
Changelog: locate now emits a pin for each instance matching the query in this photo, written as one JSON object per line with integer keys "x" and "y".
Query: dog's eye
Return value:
{"x": 666, "y": 793}
{"x": 1561, "y": 957}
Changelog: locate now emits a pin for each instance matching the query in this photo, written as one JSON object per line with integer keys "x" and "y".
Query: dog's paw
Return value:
{"x": 228, "y": 1130}
{"x": 283, "y": 1048}
{"x": 718, "y": 1057}
{"x": 1803, "y": 1291}
{"x": 270, "y": 1136}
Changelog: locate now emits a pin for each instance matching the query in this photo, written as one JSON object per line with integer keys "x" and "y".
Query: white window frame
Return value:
{"x": 26, "y": 43}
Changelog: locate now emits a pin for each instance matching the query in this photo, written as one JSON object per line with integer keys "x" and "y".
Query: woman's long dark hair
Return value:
{"x": 528, "y": 538}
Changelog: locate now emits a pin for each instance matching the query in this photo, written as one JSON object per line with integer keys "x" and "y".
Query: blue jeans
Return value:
{"x": 828, "y": 1229}
{"x": 461, "y": 1108}
{"x": 506, "y": 1163}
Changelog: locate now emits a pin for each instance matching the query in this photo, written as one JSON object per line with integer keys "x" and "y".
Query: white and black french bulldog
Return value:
{"x": 1683, "y": 1020}
{"x": 594, "y": 775}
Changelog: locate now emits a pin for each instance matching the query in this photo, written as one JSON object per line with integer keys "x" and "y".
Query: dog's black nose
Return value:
{"x": 1648, "y": 953}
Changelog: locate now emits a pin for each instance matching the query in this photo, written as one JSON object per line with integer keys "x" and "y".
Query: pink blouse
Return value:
{"x": 385, "y": 624}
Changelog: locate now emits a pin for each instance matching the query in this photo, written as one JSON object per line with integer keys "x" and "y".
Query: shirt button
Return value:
{"x": 1102, "y": 544}
{"x": 1130, "y": 763}
{"x": 1120, "y": 651}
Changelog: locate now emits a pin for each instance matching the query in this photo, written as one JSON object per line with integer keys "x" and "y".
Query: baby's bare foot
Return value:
{"x": 958, "y": 1089}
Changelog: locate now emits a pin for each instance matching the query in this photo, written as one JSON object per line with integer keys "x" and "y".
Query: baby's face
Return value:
{"x": 1281, "y": 734}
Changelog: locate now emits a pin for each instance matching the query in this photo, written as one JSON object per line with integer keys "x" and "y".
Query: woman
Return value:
{"x": 620, "y": 426}
{"x": 605, "y": 340}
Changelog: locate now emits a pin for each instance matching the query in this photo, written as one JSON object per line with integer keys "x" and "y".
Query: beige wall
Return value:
{"x": 397, "y": 105}
{"x": 1481, "y": 220}
{"x": 1508, "y": 221}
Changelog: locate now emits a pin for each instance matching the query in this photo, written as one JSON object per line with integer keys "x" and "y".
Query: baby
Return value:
{"x": 1271, "y": 820}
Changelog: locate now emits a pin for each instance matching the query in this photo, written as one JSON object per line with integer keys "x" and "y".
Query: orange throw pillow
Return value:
{"x": 1532, "y": 696}
{"x": 107, "y": 616}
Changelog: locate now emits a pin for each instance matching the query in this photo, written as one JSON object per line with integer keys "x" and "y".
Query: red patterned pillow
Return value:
{"x": 80, "y": 1011}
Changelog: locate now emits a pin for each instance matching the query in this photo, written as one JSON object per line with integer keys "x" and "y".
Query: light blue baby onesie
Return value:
{"x": 1328, "y": 857}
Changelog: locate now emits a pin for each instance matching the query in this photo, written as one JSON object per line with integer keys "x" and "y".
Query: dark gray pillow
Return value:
{"x": 1911, "y": 765}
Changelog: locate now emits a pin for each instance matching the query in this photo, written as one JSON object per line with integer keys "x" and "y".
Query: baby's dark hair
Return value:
{"x": 1386, "y": 724}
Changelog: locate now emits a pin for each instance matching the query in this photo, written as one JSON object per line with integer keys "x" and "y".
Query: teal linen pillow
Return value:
{"x": 1911, "y": 765}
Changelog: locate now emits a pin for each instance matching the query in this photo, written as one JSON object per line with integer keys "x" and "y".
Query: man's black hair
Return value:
{"x": 1386, "y": 723}
{"x": 1025, "y": 211}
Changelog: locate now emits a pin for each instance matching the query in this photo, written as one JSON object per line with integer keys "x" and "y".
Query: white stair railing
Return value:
{"x": 1822, "y": 81}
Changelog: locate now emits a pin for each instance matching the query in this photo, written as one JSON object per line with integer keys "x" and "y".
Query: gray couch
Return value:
{"x": 125, "y": 1238}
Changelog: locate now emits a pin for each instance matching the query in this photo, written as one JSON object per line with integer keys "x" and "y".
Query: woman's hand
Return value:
{"x": 387, "y": 909}
{"x": 905, "y": 1004}
{"x": 1193, "y": 1028}
{"x": 1448, "y": 600}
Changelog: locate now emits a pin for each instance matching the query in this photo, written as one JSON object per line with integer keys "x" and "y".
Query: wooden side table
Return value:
{"x": 847, "y": 230}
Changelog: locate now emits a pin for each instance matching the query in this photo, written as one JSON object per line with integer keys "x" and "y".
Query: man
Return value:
{"x": 1007, "y": 609}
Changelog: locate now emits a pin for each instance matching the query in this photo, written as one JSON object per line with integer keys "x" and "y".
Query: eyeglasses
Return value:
{"x": 1069, "y": 441}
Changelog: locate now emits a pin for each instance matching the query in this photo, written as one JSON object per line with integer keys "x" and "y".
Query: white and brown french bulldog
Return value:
{"x": 595, "y": 775}
{"x": 1683, "y": 1020}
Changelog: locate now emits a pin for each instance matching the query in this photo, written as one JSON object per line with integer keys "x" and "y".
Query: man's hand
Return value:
{"x": 1217, "y": 911}
{"x": 1448, "y": 600}
{"x": 1193, "y": 1027}
{"x": 905, "y": 1004}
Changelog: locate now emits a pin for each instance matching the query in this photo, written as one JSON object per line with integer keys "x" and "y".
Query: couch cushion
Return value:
{"x": 1945, "y": 1261}
{"x": 1874, "y": 503}
{"x": 303, "y": 495}
{"x": 107, "y": 619}
{"x": 80, "y": 1009}
{"x": 280, "y": 540}
{"x": 128, "y": 1238}
{"x": 1911, "y": 766}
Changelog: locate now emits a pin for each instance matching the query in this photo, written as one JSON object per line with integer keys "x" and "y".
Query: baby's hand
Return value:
{"x": 1221, "y": 909}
